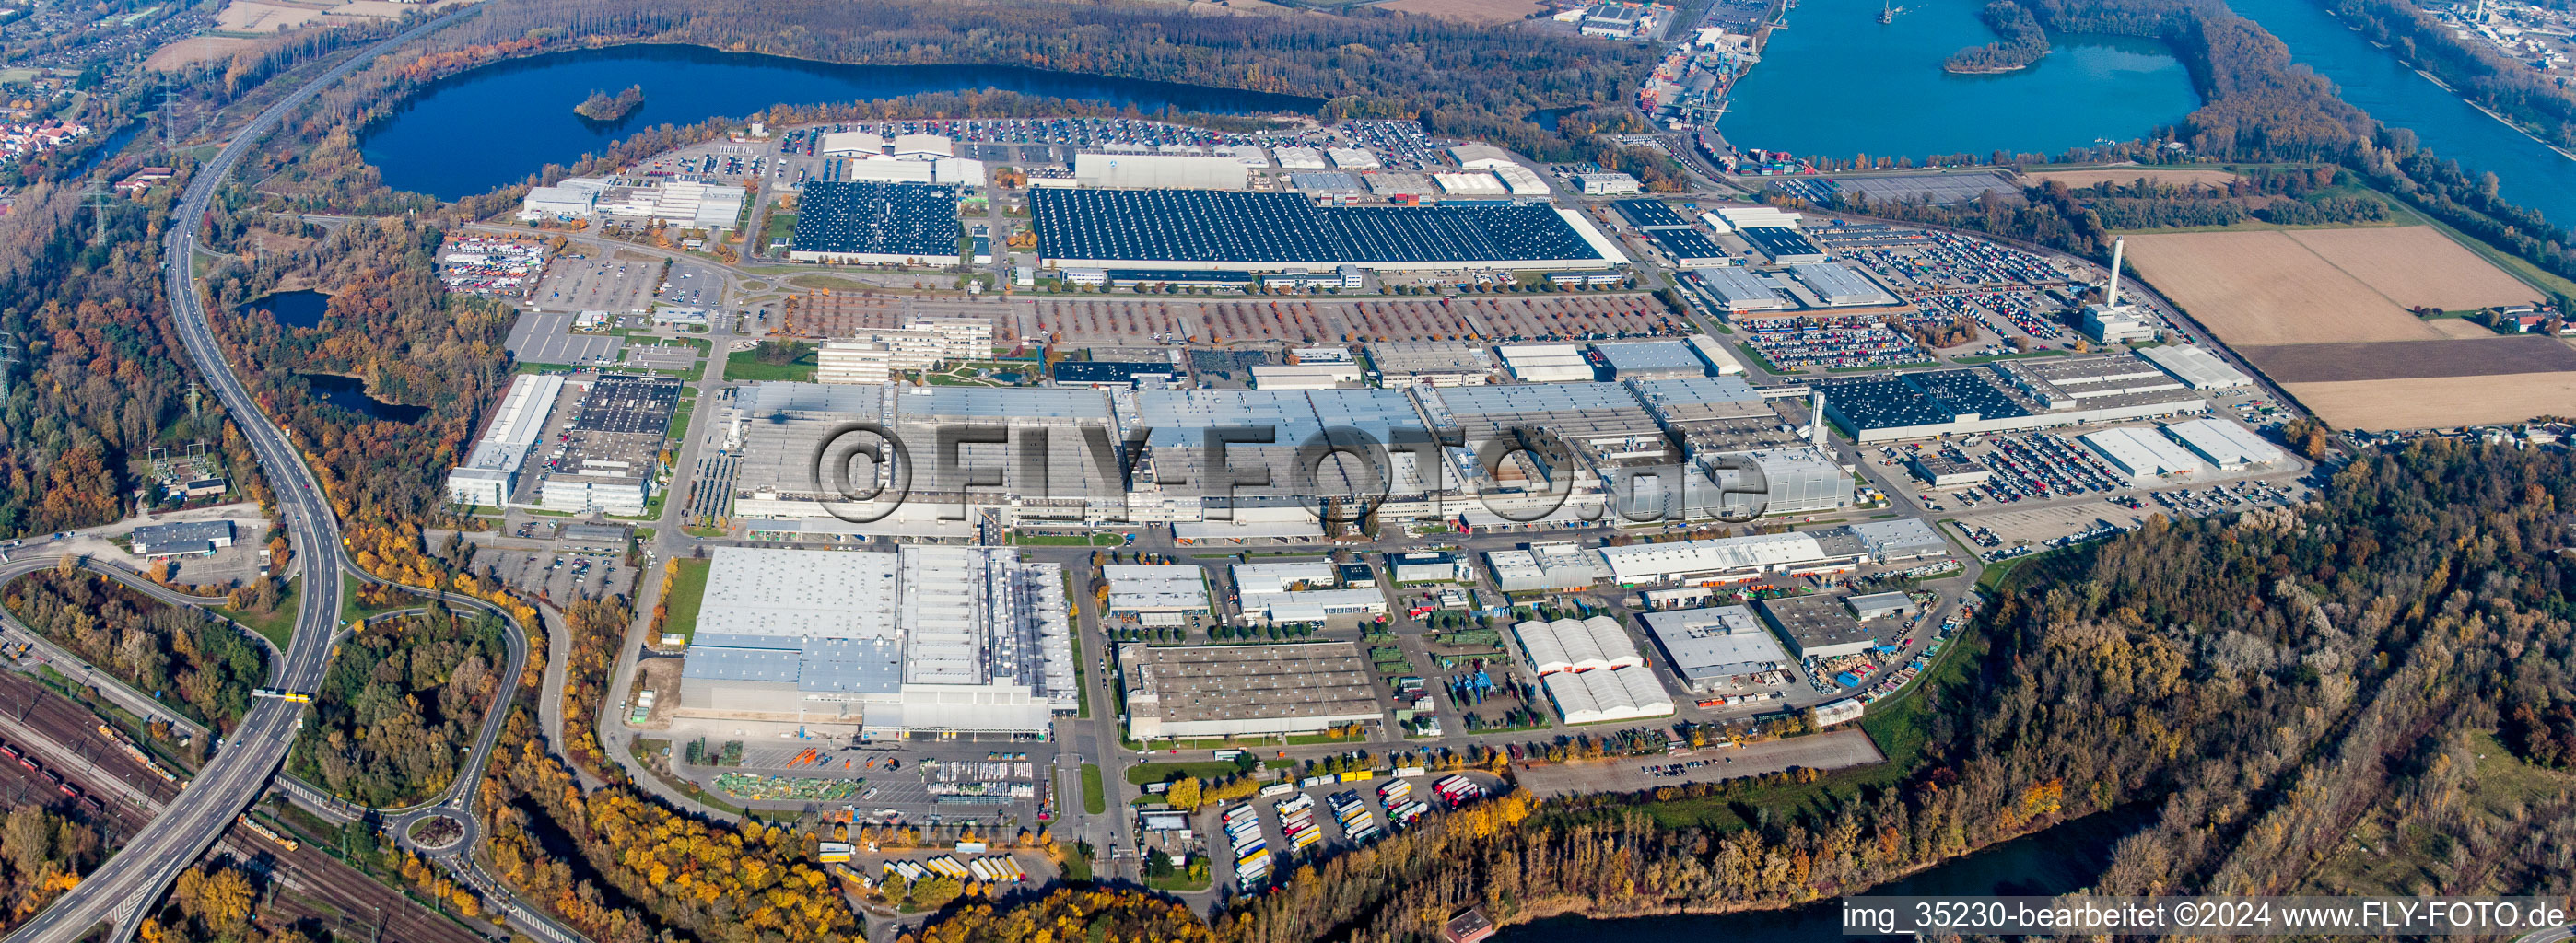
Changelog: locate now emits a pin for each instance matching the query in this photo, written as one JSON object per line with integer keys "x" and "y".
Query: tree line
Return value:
{"x": 206, "y": 669}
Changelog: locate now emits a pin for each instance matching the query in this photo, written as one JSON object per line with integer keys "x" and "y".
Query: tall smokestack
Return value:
{"x": 1816, "y": 423}
{"x": 2111, "y": 299}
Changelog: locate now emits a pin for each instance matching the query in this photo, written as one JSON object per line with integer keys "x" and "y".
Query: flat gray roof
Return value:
{"x": 1654, "y": 355}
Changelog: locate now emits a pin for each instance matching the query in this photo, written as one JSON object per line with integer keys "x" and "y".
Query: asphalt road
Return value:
{"x": 121, "y": 890}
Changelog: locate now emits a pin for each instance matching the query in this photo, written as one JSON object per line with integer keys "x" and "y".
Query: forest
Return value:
{"x": 207, "y": 668}
{"x": 398, "y": 703}
{"x": 101, "y": 378}
{"x": 2081, "y": 219}
{"x": 2023, "y": 42}
{"x": 41, "y": 856}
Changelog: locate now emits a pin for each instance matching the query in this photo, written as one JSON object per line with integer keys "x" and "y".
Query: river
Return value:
{"x": 2528, "y": 172}
{"x": 2060, "y": 859}
{"x": 492, "y": 126}
{"x": 1837, "y": 83}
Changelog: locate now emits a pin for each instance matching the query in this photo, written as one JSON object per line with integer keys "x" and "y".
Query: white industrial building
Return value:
{"x": 1305, "y": 376}
{"x": 2141, "y": 454}
{"x": 1839, "y": 286}
{"x": 1186, "y": 691}
{"x": 1299, "y": 158}
{"x": 883, "y": 169}
{"x": 1898, "y": 539}
{"x": 1717, "y": 356}
{"x": 920, "y": 344}
{"x": 491, "y": 470}
{"x": 1736, "y": 290}
{"x": 1481, "y": 156}
{"x": 925, "y": 146}
{"x": 1299, "y": 591}
{"x": 1431, "y": 363}
{"x": 1728, "y": 559}
{"x": 1607, "y": 184}
{"x": 1546, "y": 363}
{"x": 1562, "y": 565}
{"x": 1594, "y": 644}
{"x": 1591, "y": 697}
{"x": 1428, "y": 567}
{"x": 929, "y": 639}
{"x": 569, "y": 198}
{"x": 1717, "y": 648}
{"x": 1156, "y": 595}
{"x": 677, "y": 203}
{"x": 849, "y": 143}
{"x": 595, "y": 486}
{"x": 2226, "y": 445}
{"x": 1471, "y": 184}
{"x": 1521, "y": 181}
{"x": 180, "y": 539}
{"x": 1161, "y": 171}
{"x": 2196, "y": 367}
{"x": 1652, "y": 359}
{"x": 1758, "y": 217}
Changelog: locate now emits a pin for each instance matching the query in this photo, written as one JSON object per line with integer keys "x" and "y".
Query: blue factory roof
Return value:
{"x": 1251, "y": 228}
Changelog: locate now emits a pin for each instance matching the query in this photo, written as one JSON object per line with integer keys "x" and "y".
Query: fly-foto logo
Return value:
{"x": 865, "y": 471}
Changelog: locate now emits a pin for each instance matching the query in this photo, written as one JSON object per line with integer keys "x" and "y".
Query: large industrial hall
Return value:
{"x": 928, "y": 639}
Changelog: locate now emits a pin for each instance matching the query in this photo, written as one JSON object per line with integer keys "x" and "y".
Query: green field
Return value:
{"x": 1095, "y": 794}
{"x": 689, "y": 589}
{"x": 278, "y": 626}
{"x": 747, "y": 365}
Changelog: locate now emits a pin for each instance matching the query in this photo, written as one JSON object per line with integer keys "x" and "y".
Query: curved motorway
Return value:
{"x": 121, "y": 890}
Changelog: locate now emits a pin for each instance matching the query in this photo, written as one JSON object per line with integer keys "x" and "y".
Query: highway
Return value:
{"x": 122, "y": 890}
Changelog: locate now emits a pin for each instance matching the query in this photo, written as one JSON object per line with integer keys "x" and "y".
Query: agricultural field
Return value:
{"x": 1468, "y": 11}
{"x": 2416, "y": 266}
{"x": 2326, "y": 314}
{"x": 2491, "y": 355}
{"x": 2437, "y": 402}
{"x": 2207, "y": 177}
{"x": 2255, "y": 288}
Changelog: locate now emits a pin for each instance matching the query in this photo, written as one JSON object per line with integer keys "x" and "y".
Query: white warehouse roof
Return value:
{"x": 2195, "y": 367}
{"x": 761, "y": 591}
{"x": 1599, "y": 696}
{"x": 1590, "y": 644}
{"x": 1648, "y": 563}
{"x": 2141, "y": 453}
{"x": 1546, "y": 363}
{"x": 2225, "y": 444}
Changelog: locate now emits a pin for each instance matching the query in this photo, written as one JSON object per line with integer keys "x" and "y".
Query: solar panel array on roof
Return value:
{"x": 1687, "y": 246}
{"x": 1917, "y": 399}
{"x": 1213, "y": 226}
{"x": 623, "y": 403}
{"x": 1651, "y": 214}
{"x": 871, "y": 218}
{"x": 1782, "y": 244}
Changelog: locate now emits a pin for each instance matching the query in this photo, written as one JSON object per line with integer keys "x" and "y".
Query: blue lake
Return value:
{"x": 350, "y": 393}
{"x": 1838, "y": 83}
{"x": 493, "y": 126}
{"x": 291, "y": 308}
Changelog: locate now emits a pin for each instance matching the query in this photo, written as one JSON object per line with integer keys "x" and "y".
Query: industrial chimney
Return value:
{"x": 2111, "y": 298}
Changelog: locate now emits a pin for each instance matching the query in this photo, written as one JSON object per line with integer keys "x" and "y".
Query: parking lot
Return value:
{"x": 548, "y": 337}
{"x": 560, "y": 575}
{"x": 598, "y": 280}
